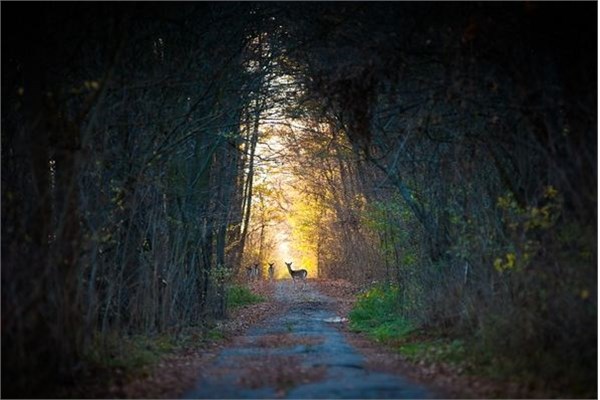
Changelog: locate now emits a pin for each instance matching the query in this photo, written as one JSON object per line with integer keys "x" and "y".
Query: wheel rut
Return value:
{"x": 298, "y": 354}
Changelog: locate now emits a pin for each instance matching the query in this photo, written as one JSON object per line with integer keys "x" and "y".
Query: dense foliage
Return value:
{"x": 459, "y": 140}
{"x": 127, "y": 154}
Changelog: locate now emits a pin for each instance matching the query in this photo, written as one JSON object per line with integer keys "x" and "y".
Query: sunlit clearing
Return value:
{"x": 283, "y": 255}
{"x": 279, "y": 213}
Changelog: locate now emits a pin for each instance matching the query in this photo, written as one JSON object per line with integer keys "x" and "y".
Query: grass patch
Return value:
{"x": 436, "y": 350}
{"x": 377, "y": 314}
{"x": 496, "y": 351}
{"x": 132, "y": 356}
{"x": 129, "y": 353}
{"x": 215, "y": 334}
{"x": 238, "y": 296}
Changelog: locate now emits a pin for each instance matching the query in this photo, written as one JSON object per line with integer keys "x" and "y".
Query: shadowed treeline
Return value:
{"x": 127, "y": 152}
{"x": 460, "y": 145}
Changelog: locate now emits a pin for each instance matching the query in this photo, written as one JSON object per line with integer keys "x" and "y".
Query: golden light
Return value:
{"x": 283, "y": 255}
{"x": 281, "y": 240}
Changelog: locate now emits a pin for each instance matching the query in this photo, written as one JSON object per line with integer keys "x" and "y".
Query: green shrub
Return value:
{"x": 453, "y": 352}
{"x": 377, "y": 313}
{"x": 238, "y": 296}
{"x": 128, "y": 353}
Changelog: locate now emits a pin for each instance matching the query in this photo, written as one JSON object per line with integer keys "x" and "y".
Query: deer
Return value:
{"x": 252, "y": 272}
{"x": 298, "y": 274}
{"x": 256, "y": 271}
{"x": 271, "y": 270}
{"x": 249, "y": 271}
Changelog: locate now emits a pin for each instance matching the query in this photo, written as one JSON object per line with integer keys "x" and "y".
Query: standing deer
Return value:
{"x": 252, "y": 272}
{"x": 256, "y": 271}
{"x": 249, "y": 271}
{"x": 298, "y": 274}
{"x": 271, "y": 271}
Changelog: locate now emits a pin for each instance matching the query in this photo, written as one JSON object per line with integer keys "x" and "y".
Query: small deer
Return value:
{"x": 271, "y": 271}
{"x": 252, "y": 272}
{"x": 298, "y": 274}
{"x": 256, "y": 271}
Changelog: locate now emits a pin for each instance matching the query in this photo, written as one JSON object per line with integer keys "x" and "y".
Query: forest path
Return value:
{"x": 297, "y": 354}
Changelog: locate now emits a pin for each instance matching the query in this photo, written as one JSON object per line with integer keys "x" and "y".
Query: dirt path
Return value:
{"x": 300, "y": 353}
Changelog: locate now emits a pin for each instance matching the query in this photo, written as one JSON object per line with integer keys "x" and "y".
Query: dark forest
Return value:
{"x": 442, "y": 156}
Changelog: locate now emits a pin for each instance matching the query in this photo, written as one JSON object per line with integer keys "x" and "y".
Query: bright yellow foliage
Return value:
{"x": 550, "y": 192}
{"x": 511, "y": 262}
{"x": 521, "y": 222}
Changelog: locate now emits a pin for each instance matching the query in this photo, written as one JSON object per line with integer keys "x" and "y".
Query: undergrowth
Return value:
{"x": 238, "y": 296}
{"x": 131, "y": 355}
{"x": 377, "y": 313}
{"x": 128, "y": 353}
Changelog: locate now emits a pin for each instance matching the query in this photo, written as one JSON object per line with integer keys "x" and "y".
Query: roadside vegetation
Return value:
{"x": 130, "y": 355}
{"x": 241, "y": 295}
{"x": 378, "y": 314}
